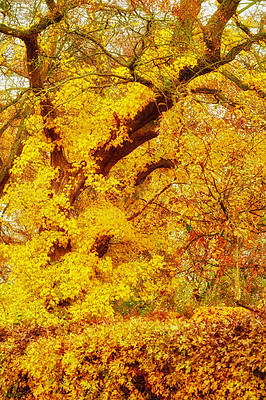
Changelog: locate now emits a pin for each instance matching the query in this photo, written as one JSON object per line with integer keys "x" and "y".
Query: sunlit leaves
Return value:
{"x": 108, "y": 100}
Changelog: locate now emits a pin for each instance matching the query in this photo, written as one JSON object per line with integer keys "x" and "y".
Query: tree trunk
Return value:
{"x": 237, "y": 283}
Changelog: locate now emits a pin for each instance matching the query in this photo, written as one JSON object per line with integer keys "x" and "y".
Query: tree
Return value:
{"x": 100, "y": 120}
{"x": 222, "y": 202}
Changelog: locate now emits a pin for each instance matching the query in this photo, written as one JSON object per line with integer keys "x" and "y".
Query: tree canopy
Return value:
{"x": 132, "y": 155}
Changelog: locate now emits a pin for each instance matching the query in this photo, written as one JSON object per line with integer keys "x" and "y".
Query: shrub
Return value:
{"x": 218, "y": 354}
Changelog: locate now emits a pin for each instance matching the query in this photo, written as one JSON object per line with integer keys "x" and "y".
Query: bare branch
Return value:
{"x": 244, "y": 46}
{"x": 14, "y": 101}
{"x": 218, "y": 95}
{"x": 101, "y": 46}
{"x": 149, "y": 202}
{"x": 241, "y": 84}
{"x": 7, "y": 124}
{"x": 241, "y": 26}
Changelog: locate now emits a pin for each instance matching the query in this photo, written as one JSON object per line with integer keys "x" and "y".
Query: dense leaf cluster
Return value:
{"x": 218, "y": 354}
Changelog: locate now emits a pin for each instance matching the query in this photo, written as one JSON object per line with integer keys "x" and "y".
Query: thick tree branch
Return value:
{"x": 92, "y": 39}
{"x": 107, "y": 158}
{"x": 151, "y": 112}
{"x": 14, "y": 152}
{"x": 208, "y": 64}
{"x": 140, "y": 129}
{"x": 9, "y": 31}
{"x": 30, "y": 38}
{"x": 214, "y": 28}
{"x": 50, "y": 4}
{"x": 32, "y": 50}
{"x": 150, "y": 167}
{"x": 101, "y": 245}
{"x": 44, "y": 23}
